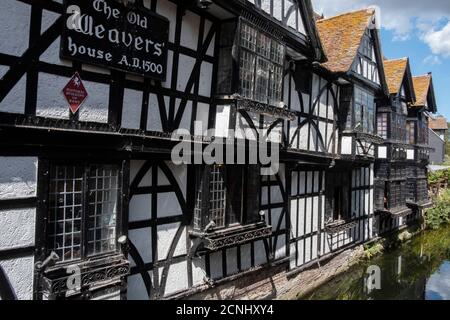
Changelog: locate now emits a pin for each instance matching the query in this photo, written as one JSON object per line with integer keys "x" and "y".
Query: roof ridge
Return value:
{"x": 397, "y": 59}
{"x": 367, "y": 10}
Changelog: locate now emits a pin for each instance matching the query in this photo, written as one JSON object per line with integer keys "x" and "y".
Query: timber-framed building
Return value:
{"x": 92, "y": 205}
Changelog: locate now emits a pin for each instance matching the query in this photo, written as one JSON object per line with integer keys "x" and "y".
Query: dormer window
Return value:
{"x": 259, "y": 58}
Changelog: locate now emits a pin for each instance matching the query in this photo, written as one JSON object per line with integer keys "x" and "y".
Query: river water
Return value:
{"x": 418, "y": 270}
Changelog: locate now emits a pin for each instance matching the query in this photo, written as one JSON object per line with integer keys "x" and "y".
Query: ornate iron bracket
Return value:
{"x": 264, "y": 109}
{"x": 339, "y": 226}
{"x": 219, "y": 240}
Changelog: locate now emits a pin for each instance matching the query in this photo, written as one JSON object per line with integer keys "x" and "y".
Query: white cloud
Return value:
{"x": 432, "y": 60}
{"x": 439, "y": 40}
{"x": 406, "y": 18}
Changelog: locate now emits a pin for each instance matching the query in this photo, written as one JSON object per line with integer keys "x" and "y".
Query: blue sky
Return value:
{"x": 418, "y": 29}
{"x": 422, "y": 62}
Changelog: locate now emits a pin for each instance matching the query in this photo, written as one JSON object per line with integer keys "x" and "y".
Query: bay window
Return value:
{"x": 364, "y": 111}
{"x": 259, "y": 58}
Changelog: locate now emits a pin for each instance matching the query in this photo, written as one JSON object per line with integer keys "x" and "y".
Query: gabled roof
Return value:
{"x": 341, "y": 37}
{"x": 423, "y": 86}
{"x": 395, "y": 73}
{"x": 398, "y": 73}
{"x": 439, "y": 123}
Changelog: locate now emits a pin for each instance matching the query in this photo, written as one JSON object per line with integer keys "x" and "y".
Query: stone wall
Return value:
{"x": 276, "y": 283}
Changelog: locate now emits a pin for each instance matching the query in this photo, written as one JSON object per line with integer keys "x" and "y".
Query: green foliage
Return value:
{"x": 438, "y": 176}
{"x": 372, "y": 251}
{"x": 440, "y": 214}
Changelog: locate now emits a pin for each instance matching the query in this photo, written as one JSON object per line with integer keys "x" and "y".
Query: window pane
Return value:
{"x": 249, "y": 36}
{"x": 101, "y": 222}
{"x": 275, "y": 91}
{"x": 65, "y": 205}
{"x": 264, "y": 46}
{"x": 262, "y": 80}
{"x": 217, "y": 195}
{"x": 247, "y": 72}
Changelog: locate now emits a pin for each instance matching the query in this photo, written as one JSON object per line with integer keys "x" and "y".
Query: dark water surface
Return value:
{"x": 418, "y": 270}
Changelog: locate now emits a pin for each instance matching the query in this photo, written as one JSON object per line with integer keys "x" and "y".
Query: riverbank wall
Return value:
{"x": 276, "y": 282}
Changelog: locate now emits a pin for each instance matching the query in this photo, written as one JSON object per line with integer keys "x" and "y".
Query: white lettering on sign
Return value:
{"x": 102, "y": 6}
{"x": 109, "y": 34}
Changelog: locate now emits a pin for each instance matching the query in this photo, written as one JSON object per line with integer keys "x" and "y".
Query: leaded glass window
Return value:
{"x": 261, "y": 66}
{"x": 227, "y": 195}
{"x": 83, "y": 205}
{"x": 382, "y": 125}
{"x": 364, "y": 111}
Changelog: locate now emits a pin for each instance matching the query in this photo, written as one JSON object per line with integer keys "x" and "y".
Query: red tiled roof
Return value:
{"x": 341, "y": 37}
{"x": 395, "y": 73}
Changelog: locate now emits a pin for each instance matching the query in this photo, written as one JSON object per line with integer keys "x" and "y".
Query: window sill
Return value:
{"x": 339, "y": 226}
{"x": 95, "y": 273}
{"x": 396, "y": 213}
{"x": 420, "y": 205}
{"x": 230, "y": 237}
{"x": 366, "y": 137}
{"x": 264, "y": 109}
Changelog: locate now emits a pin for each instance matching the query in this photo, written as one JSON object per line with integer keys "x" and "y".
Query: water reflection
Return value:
{"x": 418, "y": 270}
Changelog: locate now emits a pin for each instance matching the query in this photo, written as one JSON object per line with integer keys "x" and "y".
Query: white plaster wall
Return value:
{"x": 15, "y": 26}
{"x": 189, "y": 30}
{"x": 14, "y": 102}
{"x": 95, "y": 108}
{"x": 132, "y": 105}
{"x": 140, "y": 207}
{"x": 18, "y": 177}
{"x": 166, "y": 235}
{"x": 51, "y": 102}
{"x": 382, "y": 152}
{"x": 136, "y": 288}
{"x": 17, "y": 228}
{"x": 346, "y": 145}
{"x": 142, "y": 240}
{"x": 154, "y": 117}
{"x": 177, "y": 279}
{"x": 20, "y": 274}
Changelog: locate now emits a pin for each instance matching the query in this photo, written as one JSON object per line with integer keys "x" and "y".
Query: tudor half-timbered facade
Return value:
{"x": 391, "y": 166}
{"x": 95, "y": 96}
{"x": 418, "y": 155}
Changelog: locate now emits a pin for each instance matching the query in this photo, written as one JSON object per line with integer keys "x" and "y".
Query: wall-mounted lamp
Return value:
{"x": 204, "y": 4}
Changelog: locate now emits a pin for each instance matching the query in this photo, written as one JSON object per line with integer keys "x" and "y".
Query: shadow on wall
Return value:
{"x": 17, "y": 177}
{"x": 6, "y": 290}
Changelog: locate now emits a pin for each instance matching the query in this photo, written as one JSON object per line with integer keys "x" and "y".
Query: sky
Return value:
{"x": 418, "y": 29}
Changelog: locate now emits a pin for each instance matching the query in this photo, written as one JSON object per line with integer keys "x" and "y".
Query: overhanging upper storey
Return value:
{"x": 352, "y": 45}
{"x": 424, "y": 89}
{"x": 293, "y": 19}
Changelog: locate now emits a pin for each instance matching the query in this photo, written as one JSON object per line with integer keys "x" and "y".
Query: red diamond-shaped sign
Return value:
{"x": 75, "y": 93}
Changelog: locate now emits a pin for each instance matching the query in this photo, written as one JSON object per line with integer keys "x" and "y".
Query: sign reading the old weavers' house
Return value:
{"x": 106, "y": 33}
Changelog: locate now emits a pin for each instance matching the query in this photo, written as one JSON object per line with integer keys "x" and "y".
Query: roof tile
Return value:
{"x": 395, "y": 73}
{"x": 341, "y": 37}
{"x": 421, "y": 87}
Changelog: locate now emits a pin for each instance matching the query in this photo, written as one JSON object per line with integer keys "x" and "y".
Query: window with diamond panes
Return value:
{"x": 83, "y": 205}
